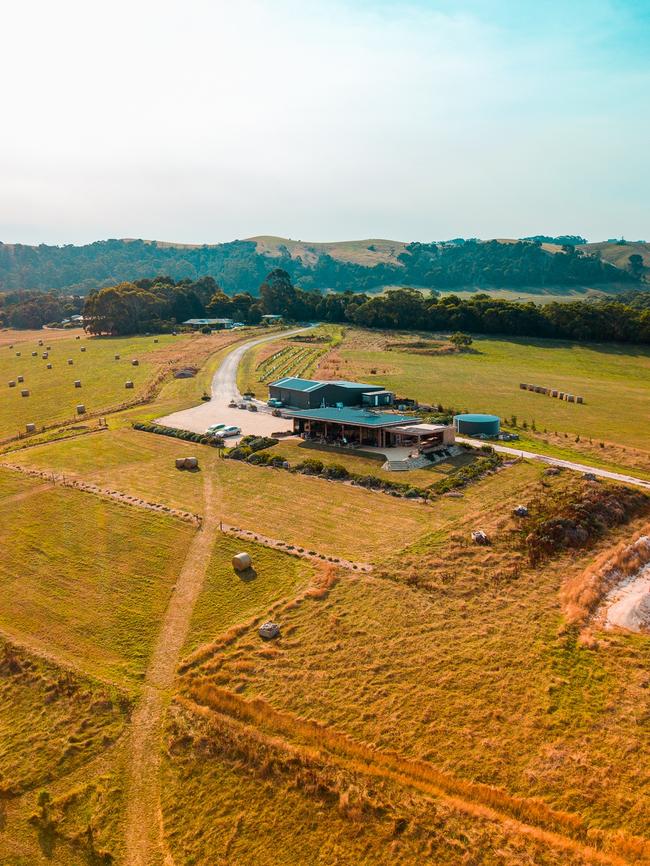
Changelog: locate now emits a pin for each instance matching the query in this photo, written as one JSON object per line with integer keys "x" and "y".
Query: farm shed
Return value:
{"x": 298, "y": 393}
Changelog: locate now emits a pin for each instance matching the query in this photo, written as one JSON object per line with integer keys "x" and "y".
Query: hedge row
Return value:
{"x": 185, "y": 435}
{"x": 337, "y": 472}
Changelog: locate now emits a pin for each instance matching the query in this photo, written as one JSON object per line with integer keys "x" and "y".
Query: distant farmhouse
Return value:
{"x": 215, "y": 324}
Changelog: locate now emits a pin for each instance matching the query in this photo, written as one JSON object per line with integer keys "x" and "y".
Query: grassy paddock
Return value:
{"x": 367, "y": 463}
{"x": 87, "y": 578}
{"x": 229, "y": 599}
{"x": 614, "y": 380}
{"x": 330, "y": 517}
{"x": 229, "y": 797}
{"x": 460, "y": 660}
{"x": 53, "y": 396}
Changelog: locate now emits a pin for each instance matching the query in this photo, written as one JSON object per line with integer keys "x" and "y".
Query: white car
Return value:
{"x": 215, "y": 428}
{"x": 230, "y": 431}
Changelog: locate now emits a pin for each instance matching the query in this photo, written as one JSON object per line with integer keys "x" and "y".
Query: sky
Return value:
{"x": 203, "y": 121}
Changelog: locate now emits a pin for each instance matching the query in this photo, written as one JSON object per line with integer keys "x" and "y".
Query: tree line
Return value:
{"x": 239, "y": 268}
{"x": 32, "y": 309}
{"x": 148, "y": 305}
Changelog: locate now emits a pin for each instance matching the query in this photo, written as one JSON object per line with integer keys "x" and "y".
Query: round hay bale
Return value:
{"x": 49, "y": 366}
{"x": 241, "y": 562}
{"x": 117, "y": 357}
{"x": 34, "y": 354}
{"x": 180, "y": 463}
{"x": 30, "y": 428}
{"x": 77, "y": 383}
{"x": 70, "y": 362}
{"x": 580, "y": 399}
{"x": 11, "y": 345}
{"x": 12, "y": 384}
{"x": 77, "y": 337}
{"x": 24, "y": 393}
{"x": 83, "y": 348}
{"x": 155, "y": 341}
{"x": 191, "y": 463}
{"x": 45, "y": 356}
{"x": 81, "y": 409}
{"x": 18, "y": 354}
{"x": 21, "y": 379}
{"x": 49, "y": 348}
{"x": 40, "y": 342}
{"x": 128, "y": 384}
{"x": 135, "y": 362}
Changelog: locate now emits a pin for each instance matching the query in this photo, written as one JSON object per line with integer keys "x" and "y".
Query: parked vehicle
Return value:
{"x": 214, "y": 428}
{"x": 274, "y": 404}
{"x": 230, "y": 431}
{"x": 252, "y": 407}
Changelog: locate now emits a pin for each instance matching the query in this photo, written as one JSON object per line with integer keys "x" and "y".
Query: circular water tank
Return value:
{"x": 477, "y": 424}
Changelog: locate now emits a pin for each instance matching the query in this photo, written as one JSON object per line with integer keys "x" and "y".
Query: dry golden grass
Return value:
{"x": 456, "y": 657}
{"x": 85, "y": 577}
{"x": 233, "y": 794}
{"x": 56, "y": 729}
{"x": 331, "y": 518}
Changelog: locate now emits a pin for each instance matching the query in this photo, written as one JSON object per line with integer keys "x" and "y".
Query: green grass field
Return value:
{"x": 228, "y": 598}
{"x": 272, "y": 502}
{"x": 87, "y": 578}
{"x": 614, "y": 381}
{"x": 450, "y": 653}
{"x": 53, "y": 396}
{"x": 367, "y": 463}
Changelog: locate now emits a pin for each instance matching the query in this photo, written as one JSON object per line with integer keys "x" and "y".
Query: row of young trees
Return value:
{"x": 147, "y": 305}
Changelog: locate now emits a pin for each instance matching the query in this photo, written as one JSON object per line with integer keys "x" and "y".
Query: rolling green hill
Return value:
{"x": 362, "y": 266}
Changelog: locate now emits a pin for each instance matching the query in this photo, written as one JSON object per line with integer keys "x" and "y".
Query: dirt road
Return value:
{"x": 556, "y": 461}
{"x": 224, "y": 389}
{"x": 144, "y": 843}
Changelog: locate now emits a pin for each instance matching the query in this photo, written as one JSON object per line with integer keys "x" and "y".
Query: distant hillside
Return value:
{"x": 369, "y": 252}
{"x": 368, "y": 265}
{"x": 619, "y": 254}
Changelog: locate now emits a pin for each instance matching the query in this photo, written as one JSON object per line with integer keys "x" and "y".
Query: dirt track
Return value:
{"x": 144, "y": 842}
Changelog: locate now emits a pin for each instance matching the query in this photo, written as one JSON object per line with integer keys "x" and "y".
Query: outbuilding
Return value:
{"x": 296, "y": 393}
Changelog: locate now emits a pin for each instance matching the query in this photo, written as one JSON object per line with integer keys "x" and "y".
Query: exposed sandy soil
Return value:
{"x": 628, "y": 604}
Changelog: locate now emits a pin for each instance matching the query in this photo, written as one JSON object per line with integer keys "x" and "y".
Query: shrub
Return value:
{"x": 335, "y": 471}
{"x": 310, "y": 466}
{"x": 258, "y": 443}
{"x": 184, "y": 435}
{"x": 259, "y": 458}
{"x": 239, "y": 452}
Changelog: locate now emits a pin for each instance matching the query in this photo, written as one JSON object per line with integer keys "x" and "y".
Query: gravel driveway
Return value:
{"x": 224, "y": 389}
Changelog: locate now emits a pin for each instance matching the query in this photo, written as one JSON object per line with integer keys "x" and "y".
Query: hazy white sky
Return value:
{"x": 209, "y": 120}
